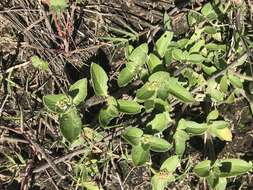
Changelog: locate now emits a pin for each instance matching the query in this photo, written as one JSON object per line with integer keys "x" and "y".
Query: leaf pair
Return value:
{"x": 217, "y": 172}
{"x": 136, "y": 60}
{"x": 164, "y": 176}
{"x": 163, "y": 86}
{"x": 142, "y": 144}
{"x": 114, "y": 107}
{"x": 65, "y": 106}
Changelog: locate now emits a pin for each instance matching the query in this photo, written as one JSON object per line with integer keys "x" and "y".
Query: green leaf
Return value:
{"x": 163, "y": 92}
{"x": 235, "y": 81}
{"x": 58, "y": 6}
{"x": 178, "y": 55}
{"x": 157, "y": 144}
{"x": 160, "y": 122}
{"x": 147, "y": 90}
{"x": 202, "y": 169}
{"x": 214, "y": 93}
{"x": 139, "y": 55}
{"x": 167, "y": 21}
{"x": 70, "y": 124}
{"x": 129, "y": 106}
{"x": 149, "y": 105}
{"x": 215, "y": 47}
{"x": 99, "y": 80}
{"x": 208, "y": 11}
{"x": 233, "y": 167}
{"x": 221, "y": 130}
{"x": 217, "y": 36}
{"x": 159, "y": 77}
{"x": 57, "y": 103}
{"x": 195, "y": 128}
{"x": 168, "y": 56}
{"x": 231, "y": 98}
{"x": 162, "y": 105}
{"x": 213, "y": 115}
{"x": 161, "y": 180}
{"x": 132, "y": 135}
{"x": 128, "y": 50}
{"x": 220, "y": 124}
{"x": 197, "y": 46}
{"x": 224, "y": 84}
{"x": 170, "y": 164}
{"x": 163, "y": 43}
{"x": 178, "y": 91}
{"x": 140, "y": 154}
{"x": 195, "y": 58}
{"x": 39, "y": 63}
{"x": 212, "y": 180}
{"x": 210, "y": 30}
{"x": 195, "y": 17}
{"x": 182, "y": 43}
{"x": 126, "y": 75}
{"x": 78, "y": 91}
{"x": 242, "y": 60}
{"x": 181, "y": 124}
{"x": 221, "y": 185}
{"x": 208, "y": 69}
{"x": 180, "y": 137}
{"x": 154, "y": 63}
{"x": 107, "y": 114}
{"x": 217, "y": 95}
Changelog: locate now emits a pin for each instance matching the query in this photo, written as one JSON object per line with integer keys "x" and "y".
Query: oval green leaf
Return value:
{"x": 163, "y": 42}
{"x": 132, "y": 135}
{"x": 39, "y": 63}
{"x": 235, "y": 81}
{"x": 78, "y": 91}
{"x": 178, "y": 54}
{"x": 160, "y": 122}
{"x": 154, "y": 63}
{"x": 70, "y": 124}
{"x": 140, "y": 154}
{"x": 195, "y": 128}
{"x": 126, "y": 75}
{"x": 234, "y": 167}
{"x": 106, "y": 115}
{"x": 129, "y": 106}
{"x": 139, "y": 55}
{"x": 180, "y": 137}
{"x": 157, "y": 144}
{"x": 176, "y": 89}
{"x": 147, "y": 91}
{"x": 171, "y": 163}
{"x": 99, "y": 79}
{"x": 213, "y": 115}
{"x": 202, "y": 169}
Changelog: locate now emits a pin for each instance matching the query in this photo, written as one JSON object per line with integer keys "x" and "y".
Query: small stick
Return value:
{"x": 12, "y": 140}
{"x": 61, "y": 159}
{"x": 4, "y": 102}
{"x": 17, "y": 66}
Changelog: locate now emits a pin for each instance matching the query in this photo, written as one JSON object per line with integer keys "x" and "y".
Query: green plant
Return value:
{"x": 217, "y": 173}
{"x": 58, "y": 6}
{"x": 65, "y": 106}
{"x": 203, "y": 73}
